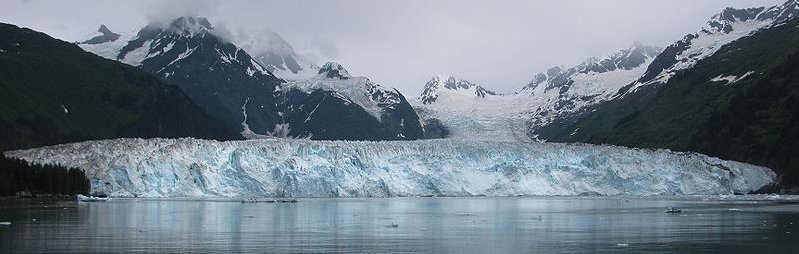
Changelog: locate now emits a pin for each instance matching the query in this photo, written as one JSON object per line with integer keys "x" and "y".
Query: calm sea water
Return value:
{"x": 441, "y": 225}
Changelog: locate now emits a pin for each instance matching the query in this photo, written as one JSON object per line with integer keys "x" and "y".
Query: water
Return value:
{"x": 444, "y": 225}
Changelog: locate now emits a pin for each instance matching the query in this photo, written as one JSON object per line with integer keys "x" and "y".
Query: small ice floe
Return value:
{"x": 673, "y": 210}
{"x": 5, "y": 223}
{"x": 259, "y": 201}
{"x": 82, "y": 198}
{"x": 622, "y": 245}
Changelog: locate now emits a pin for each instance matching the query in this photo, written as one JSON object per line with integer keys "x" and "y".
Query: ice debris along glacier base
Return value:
{"x": 304, "y": 168}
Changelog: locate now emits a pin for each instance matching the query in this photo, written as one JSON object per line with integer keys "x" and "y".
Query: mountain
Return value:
{"x": 236, "y": 88}
{"x": 53, "y": 92}
{"x": 219, "y": 76}
{"x": 450, "y": 85}
{"x": 278, "y": 56}
{"x": 645, "y": 66}
{"x": 740, "y": 103}
{"x": 302, "y": 168}
{"x": 384, "y": 113}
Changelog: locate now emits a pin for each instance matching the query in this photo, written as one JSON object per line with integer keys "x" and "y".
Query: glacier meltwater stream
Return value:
{"x": 304, "y": 168}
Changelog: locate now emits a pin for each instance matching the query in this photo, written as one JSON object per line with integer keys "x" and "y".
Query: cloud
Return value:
{"x": 222, "y": 30}
{"x": 162, "y": 12}
{"x": 319, "y": 50}
{"x": 325, "y": 47}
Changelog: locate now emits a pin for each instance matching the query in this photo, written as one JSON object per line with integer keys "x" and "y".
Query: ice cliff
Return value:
{"x": 303, "y": 168}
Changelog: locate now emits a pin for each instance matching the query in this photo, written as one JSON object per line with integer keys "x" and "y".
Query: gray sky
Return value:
{"x": 499, "y": 44}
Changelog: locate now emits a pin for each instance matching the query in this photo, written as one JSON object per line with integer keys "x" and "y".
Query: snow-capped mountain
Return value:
{"x": 333, "y": 70}
{"x": 471, "y": 111}
{"x": 302, "y": 168}
{"x": 386, "y": 105}
{"x": 278, "y": 56}
{"x": 560, "y": 92}
{"x": 443, "y": 84}
{"x": 218, "y": 75}
{"x": 240, "y": 89}
{"x": 729, "y": 25}
{"x": 726, "y": 27}
{"x": 459, "y": 109}
{"x": 563, "y": 94}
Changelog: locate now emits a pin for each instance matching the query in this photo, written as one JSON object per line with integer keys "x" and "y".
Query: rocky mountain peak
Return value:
{"x": 190, "y": 25}
{"x": 447, "y": 82}
{"x": 104, "y": 35}
{"x": 627, "y": 59}
{"x": 334, "y": 70}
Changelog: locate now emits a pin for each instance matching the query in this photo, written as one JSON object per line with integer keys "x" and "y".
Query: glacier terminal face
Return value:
{"x": 304, "y": 168}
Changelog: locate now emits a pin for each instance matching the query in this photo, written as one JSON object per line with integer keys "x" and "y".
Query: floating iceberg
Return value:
{"x": 304, "y": 168}
{"x": 82, "y": 198}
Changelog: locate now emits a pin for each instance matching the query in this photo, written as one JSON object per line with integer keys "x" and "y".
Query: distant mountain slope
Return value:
{"x": 741, "y": 103}
{"x": 365, "y": 108}
{"x": 53, "y": 92}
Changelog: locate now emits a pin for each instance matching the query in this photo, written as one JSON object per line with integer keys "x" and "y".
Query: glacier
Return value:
{"x": 304, "y": 168}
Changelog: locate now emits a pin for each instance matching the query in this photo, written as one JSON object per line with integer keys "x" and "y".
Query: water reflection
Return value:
{"x": 453, "y": 225}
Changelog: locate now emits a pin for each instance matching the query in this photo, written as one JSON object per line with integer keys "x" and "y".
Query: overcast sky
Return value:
{"x": 496, "y": 43}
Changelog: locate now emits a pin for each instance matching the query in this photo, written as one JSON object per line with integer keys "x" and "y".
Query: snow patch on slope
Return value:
{"x": 138, "y": 55}
{"x": 730, "y": 79}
